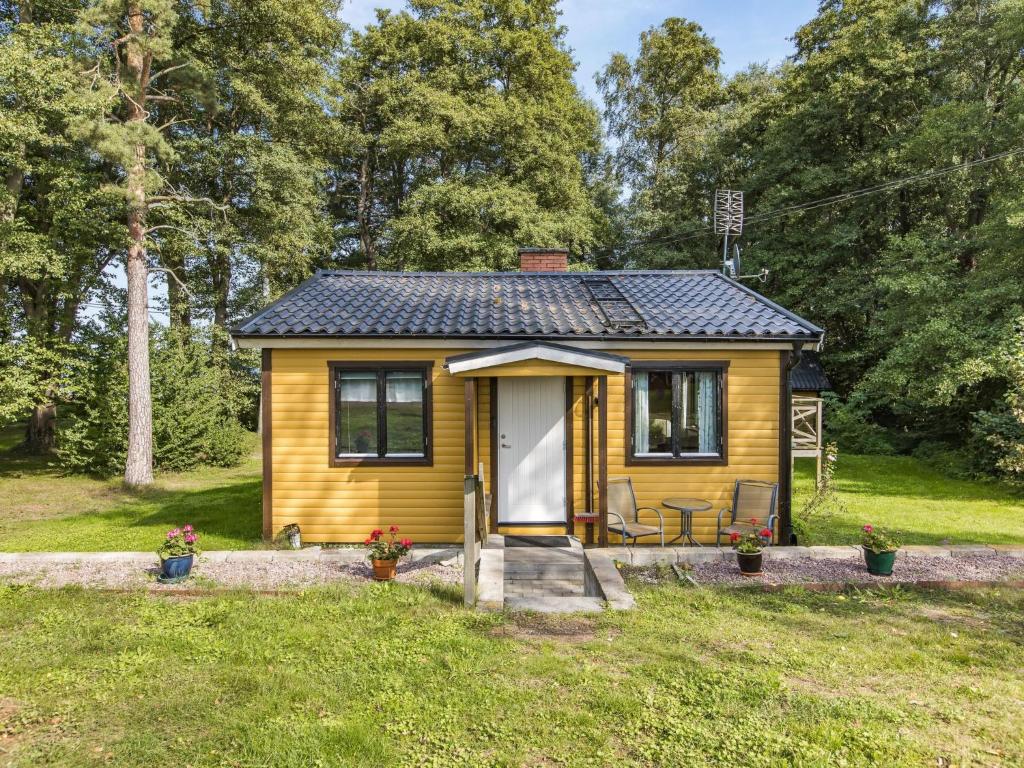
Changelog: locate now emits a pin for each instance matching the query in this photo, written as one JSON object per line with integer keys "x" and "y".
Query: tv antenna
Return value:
{"x": 729, "y": 224}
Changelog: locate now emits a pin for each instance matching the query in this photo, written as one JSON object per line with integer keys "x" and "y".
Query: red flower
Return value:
{"x": 868, "y": 528}
{"x": 753, "y": 521}
{"x": 766, "y": 533}
{"x": 393, "y": 529}
{"x": 376, "y": 533}
{"x": 734, "y": 537}
{"x": 368, "y": 542}
{"x": 407, "y": 543}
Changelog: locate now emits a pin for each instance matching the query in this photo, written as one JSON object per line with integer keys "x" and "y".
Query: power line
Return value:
{"x": 841, "y": 197}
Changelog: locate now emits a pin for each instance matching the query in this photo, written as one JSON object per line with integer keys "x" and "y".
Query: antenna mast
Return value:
{"x": 728, "y": 223}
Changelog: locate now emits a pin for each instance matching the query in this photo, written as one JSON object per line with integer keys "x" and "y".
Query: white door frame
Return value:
{"x": 531, "y": 451}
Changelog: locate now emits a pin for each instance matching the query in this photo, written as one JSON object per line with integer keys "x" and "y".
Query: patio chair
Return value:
{"x": 751, "y": 500}
{"x": 624, "y": 514}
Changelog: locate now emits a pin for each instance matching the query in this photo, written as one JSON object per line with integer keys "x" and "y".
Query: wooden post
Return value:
{"x": 470, "y": 402}
{"x": 602, "y": 460}
{"x": 266, "y": 415}
{"x": 469, "y": 543}
{"x": 588, "y": 453}
{"x": 818, "y": 436}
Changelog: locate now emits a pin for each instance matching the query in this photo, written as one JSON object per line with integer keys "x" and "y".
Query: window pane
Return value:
{"x": 652, "y": 430}
{"x": 404, "y": 413}
{"x": 700, "y": 413}
{"x": 356, "y": 412}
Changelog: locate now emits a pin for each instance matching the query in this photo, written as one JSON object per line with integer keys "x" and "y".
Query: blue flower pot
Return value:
{"x": 176, "y": 567}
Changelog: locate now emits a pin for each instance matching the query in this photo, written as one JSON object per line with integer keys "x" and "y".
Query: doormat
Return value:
{"x": 537, "y": 541}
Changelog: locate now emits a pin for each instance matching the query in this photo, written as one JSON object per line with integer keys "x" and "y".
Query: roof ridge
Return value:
{"x": 602, "y": 272}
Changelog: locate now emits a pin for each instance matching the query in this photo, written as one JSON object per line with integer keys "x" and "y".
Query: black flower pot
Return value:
{"x": 750, "y": 562}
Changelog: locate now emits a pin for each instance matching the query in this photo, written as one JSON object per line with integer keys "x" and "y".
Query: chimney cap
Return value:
{"x": 535, "y": 249}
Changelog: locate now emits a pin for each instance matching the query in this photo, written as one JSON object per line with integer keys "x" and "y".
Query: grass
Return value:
{"x": 42, "y": 509}
{"x": 399, "y": 675}
{"x": 908, "y": 495}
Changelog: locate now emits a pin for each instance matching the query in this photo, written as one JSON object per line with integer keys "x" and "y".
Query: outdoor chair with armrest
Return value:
{"x": 751, "y": 500}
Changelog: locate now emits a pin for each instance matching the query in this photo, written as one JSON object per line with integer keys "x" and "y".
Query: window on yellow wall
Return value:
{"x": 380, "y": 413}
{"x": 677, "y": 412}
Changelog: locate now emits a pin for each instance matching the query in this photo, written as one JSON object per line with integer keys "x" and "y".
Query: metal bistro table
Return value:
{"x": 686, "y": 508}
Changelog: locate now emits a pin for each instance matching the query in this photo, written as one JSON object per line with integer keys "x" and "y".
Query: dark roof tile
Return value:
{"x": 670, "y": 304}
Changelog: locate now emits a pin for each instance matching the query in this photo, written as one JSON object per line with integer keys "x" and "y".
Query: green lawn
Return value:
{"x": 908, "y": 495}
{"x": 398, "y": 675}
{"x": 42, "y": 509}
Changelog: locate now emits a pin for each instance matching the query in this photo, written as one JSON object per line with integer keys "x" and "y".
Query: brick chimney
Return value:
{"x": 543, "y": 260}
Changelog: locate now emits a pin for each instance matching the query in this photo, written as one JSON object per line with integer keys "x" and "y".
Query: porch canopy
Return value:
{"x": 538, "y": 359}
{"x": 535, "y": 358}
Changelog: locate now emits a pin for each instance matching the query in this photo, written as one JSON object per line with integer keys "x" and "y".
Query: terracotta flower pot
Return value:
{"x": 879, "y": 563}
{"x": 385, "y": 570}
{"x": 750, "y": 563}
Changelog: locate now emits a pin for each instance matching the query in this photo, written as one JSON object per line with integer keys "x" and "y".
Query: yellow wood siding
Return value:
{"x": 343, "y": 504}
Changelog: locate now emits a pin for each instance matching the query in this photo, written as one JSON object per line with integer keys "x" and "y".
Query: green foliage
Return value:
{"x": 879, "y": 540}
{"x": 196, "y": 407}
{"x": 463, "y": 136}
{"x": 849, "y": 424}
{"x": 179, "y": 542}
{"x": 825, "y": 503}
{"x": 999, "y": 433}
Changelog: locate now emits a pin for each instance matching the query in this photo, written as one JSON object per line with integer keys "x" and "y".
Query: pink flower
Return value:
{"x": 187, "y": 528}
{"x": 173, "y": 533}
{"x": 868, "y": 528}
{"x": 407, "y": 543}
{"x": 190, "y": 538}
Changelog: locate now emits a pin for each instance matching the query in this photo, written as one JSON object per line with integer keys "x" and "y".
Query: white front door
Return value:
{"x": 531, "y": 450}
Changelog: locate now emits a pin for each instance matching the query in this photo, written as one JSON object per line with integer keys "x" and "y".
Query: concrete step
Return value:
{"x": 543, "y": 571}
{"x": 543, "y": 556}
{"x": 556, "y": 604}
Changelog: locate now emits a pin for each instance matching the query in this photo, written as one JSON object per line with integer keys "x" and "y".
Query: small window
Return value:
{"x": 380, "y": 414}
{"x": 677, "y": 414}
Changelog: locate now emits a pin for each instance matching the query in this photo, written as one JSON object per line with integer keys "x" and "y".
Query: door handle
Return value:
{"x": 503, "y": 445}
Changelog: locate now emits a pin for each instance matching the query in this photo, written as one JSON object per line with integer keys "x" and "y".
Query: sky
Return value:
{"x": 746, "y": 31}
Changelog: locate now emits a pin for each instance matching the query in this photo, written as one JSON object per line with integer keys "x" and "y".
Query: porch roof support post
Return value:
{"x": 470, "y": 403}
{"x": 787, "y": 361}
{"x": 602, "y": 460}
{"x": 470, "y": 547}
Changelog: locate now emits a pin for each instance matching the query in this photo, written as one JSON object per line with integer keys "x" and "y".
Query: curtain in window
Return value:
{"x": 707, "y": 411}
{"x": 641, "y": 413}
{"x": 404, "y": 387}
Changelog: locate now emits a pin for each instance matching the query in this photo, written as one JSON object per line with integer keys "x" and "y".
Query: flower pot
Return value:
{"x": 176, "y": 568}
{"x": 384, "y": 570}
{"x": 295, "y": 540}
{"x": 879, "y": 563}
{"x": 750, "y": 562}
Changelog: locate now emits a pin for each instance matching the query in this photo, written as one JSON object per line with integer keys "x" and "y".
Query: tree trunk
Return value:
{"x": 179, "y": 311}
{"x": 363, "y": 210}
{"x": 40, "y": 434}
{"x": 139, "y": 466}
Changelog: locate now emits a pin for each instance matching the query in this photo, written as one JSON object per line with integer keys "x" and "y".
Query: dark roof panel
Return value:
{"x": 809, "y": 375}
{"x": 668, "y": 304}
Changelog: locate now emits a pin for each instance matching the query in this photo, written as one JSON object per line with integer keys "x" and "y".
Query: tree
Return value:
{"x": 57, "y": 219}
{"x": 464, "y": 136}
{"x": 662, "y": 110}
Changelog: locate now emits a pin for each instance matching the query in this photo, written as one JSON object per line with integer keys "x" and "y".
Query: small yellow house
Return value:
{"x": 383, "y": 391}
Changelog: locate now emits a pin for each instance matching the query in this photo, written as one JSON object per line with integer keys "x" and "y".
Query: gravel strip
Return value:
{"x": 972, "y": 567}
{"x": 279, "y": 574}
